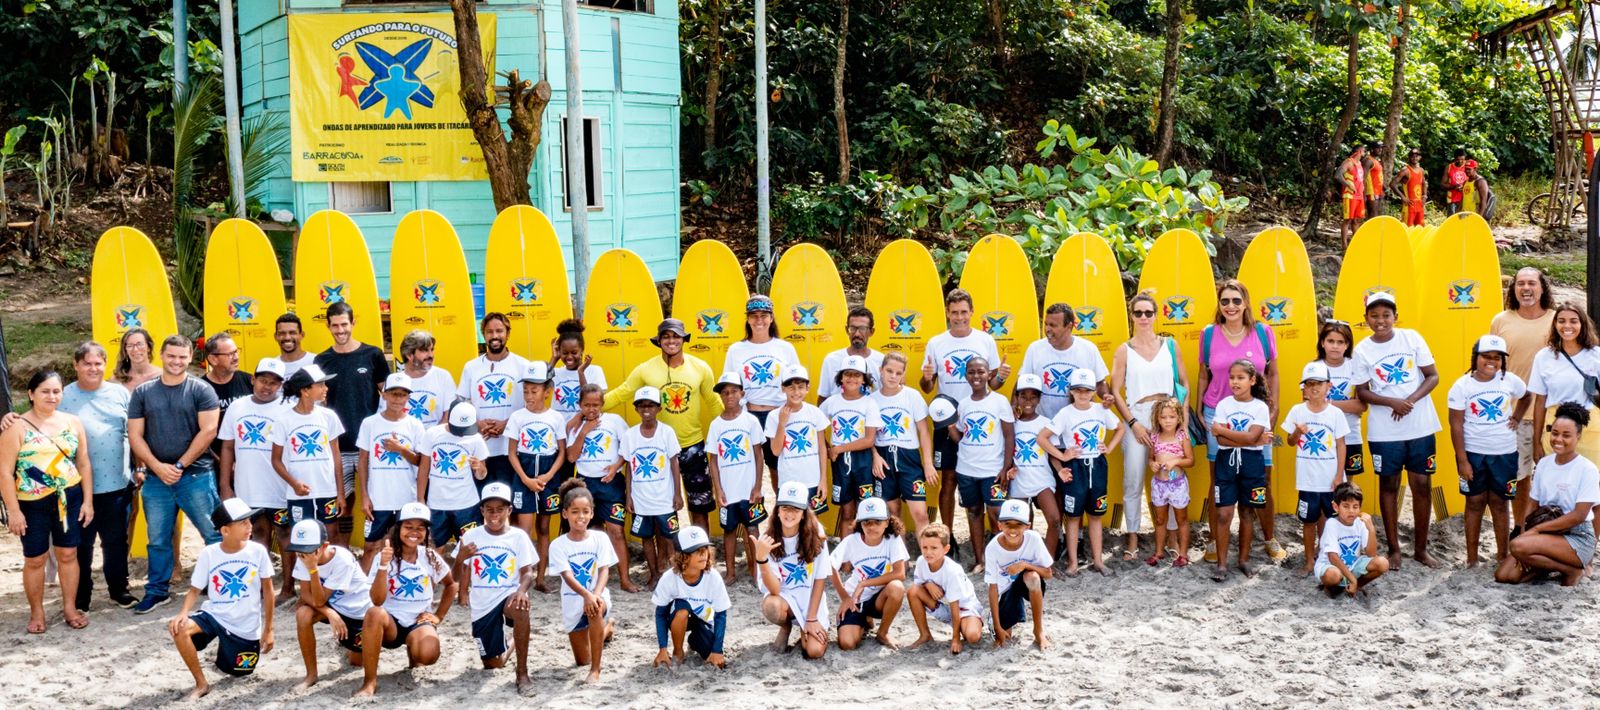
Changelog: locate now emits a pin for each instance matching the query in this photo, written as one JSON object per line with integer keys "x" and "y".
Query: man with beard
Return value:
{"x": 489, "y": 382}
{"x": 432, "y": 388}
{"x": 356, "y": 373}
{"x": 688, "y": 399}
{"x": 223, "y": 373}
{"x": 859, "y": 326}
{"x": 288, "y": 332}
{"x": 1525, "y": 323}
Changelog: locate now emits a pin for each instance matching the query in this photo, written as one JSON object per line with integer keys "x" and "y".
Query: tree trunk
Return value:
{"x": 713, "y": 73}
{"x": 1168, "y": 113}
{"x": 1397, "y": 92}
{"x": 1331, "y": 157}
{"x": 997, "y": 25}
{"x": 507, "y": 160}
{"x": 838, "y": 94}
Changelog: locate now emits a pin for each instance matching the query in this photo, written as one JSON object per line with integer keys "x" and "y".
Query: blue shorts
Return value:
{"x": 1355, "y": 462}
{"x": 1496, "y": 473}
{"x": 945, "y": 449}
{"x": 905, "y": 479}
{"x": 525, "y": 500}
{"x": 1213, "y": 446}
{"x": 378, "y": 525}
{"x": 852, "y": 478}
{"x": 701, "y": 638}
{"x": 978, "y": 493}
{"x": 743, "y": 512}
{"x": 497, "y": 470}
{"x": 235, "y": 656}
{"x": 322, "y": 509}
{"x": 1314, "y": 506}
{"x": 608, "y": 503}
{"x": 1085, "y": 494}
{"x": 861, "y": 617}
{"x": 1389, "y": 458}
{"x": 648, "y": 526}
{"x": 1241, "y": 480}
{"x": 490, "y": 631}
{"x": 1013, "y": 605}
{"x": 452, "y": 524}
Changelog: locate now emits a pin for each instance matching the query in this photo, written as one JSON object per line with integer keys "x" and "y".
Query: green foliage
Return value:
{"x": 264, "y": 138}
{"x": 195, "y": 119}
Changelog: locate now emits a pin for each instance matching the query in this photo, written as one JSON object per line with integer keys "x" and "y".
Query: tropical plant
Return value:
{"x": 8, "y": 148}
{"x": 194, "y": 120}
{"x": 263, "y": 138}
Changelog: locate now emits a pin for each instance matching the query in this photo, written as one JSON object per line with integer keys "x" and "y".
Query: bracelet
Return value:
{"x": 311, "y": 571}
{"x": 762, "y": 562}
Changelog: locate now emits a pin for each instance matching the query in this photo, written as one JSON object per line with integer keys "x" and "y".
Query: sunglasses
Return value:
{"x": 1331, "y": 321}
{"x": 1144, "y": 314}
{"x": 1231, "y": 301}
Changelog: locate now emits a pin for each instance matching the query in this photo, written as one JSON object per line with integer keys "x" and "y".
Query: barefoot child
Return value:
{"x": 940, "y": 587}
{"x": 1031, "y": 476}
{"x": 984, "y": 432}
{"x": 1333, "y": 350}
{"x": 795, "y": 436}
{"x": 447, "y": 477}
{"x": 594, "y": 439}
{"x": 795, "y": 568}
{"x": 333, "y": 590}
{"x": 872, "y": 563}
{"x": 1317, "y": 430}
{"x": 853, "y": 418}
{"x": 1018, "y": 565}
{"x": 403, "y": 579}
{"x": 1484, "y": 433}
{"x": 691, "y": 603}
{"x": 733, "y": 456}
{"x": 1241, "y": 424}
{"x": 497, "y": 560}
{"x": 305, "y": 450}
{"x": 1170, "y": 454}
{"x": 1347, "y": 555}
{"x": 1559, "y": 536}
{"x": 537, "y": 462}
{"x": 903, "y": 452}
{"x": 236, "y": 576}
{"x": 386, "y": 473}
{"x": 1081, "y": 435}
{"x": 650, "y": 451}
{"x": 583, "y": 559}
{"x": 245, "y": 463}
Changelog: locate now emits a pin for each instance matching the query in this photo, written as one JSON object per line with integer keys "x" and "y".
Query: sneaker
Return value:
{"x": 124, "y": 600}
{"x": 150, "y": 602}
{"x": 1211, "y": 552}
{"x": 1276, "y": 551}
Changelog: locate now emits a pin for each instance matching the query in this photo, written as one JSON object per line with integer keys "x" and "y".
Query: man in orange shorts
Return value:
{"x": 1354, "y": 195}
{"x": 1376, "y": 204}
{"x": 1415, "y": 180}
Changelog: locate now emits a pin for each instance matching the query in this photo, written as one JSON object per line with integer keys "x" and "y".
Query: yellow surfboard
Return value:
{"x": 1459, "y": 284}
{"x": 1085, "y": 275}
{"x": 332, "y": 264}
{"x": 1278, "y": 273}
{"x": 709, "y": 298}
{"x": 525, "y": 277}
{"x": 621, "y": 311}
{"x": 1417, "y": 234}
{"x": 429, "y": 288}
{"x": 128, "y": 289}
{"x": 1178, "y": 269}
{"x": 808, "y": 299}
{"x": 244, "y": 289}
{"x": 1004, "y": 302}
{"x": 906, "y": 298}
{"x": 1379, "y": 258}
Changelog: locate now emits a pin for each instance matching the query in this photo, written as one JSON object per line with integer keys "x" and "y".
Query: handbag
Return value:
{"x": 1544, "y": 514}
{"x": 1196, "y": 424}
{"x": 1591, "y": 383}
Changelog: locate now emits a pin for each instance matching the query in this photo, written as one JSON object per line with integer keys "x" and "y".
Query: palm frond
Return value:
{"x": 264, "y": 139}
{"x": 194, "y": 120}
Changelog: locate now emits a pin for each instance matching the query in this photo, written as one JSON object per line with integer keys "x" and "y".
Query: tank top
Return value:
{"x": 1166, "y": 448}
{"x": 1143, "y": 377}
{"x": 47, "y": 466}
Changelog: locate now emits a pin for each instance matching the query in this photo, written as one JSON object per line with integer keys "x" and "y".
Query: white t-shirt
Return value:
{"x": 1033, "y": 466}
{"x": 307, "y": 441}
{"x": 292, "y": 366}
{"x": 898, "y": 415}
{"x": 736, "y": 445}
{"x": 349, "y": 589}
{"x": 232, "y": 583}
{"x": 492, "y": 388}
{"x": 997, "y": 558}
{"x": 1557, "y": 379}
{"x": 601, "y": 446}
{"x": 411, "y": 585}
{"x": 1054, "y": 367}
{"x": 451, "y": 483}
{"x": 799, "y": 459}
{"x": 982, "y": 449}
{"x": 248, "y": 424}
{"x": 391, "y": 480}
{"x": 1566, "y": 485}
{"x": 868, "y": 561}
{"x": 1486, "y": 408}
{"x": 1348, "y": 541}
{"x": 830, "y": 369}
{"x": 706, "y": 597}
{"x": 1342, "y": 388}
{"x": 536, "y": 434}
{"x": 796, "y": 577}
{"x": 431, "y": 395}
{"x": 565, "y": 388}
{"x": 1394, "y": 369}
{"x": 584, "y": 559}
{"x": 650, "y": 468}
{"x": 1317, "y": 460}
{"x": 850, "y": 420}
{"x": 949, "y": 356}
{"x": 760, "y": 368}
{"x": 1088, "y": 429}
{"x": 494, "y": 572}
{"x": 1242, "y": 416}
{"x": 957, "y": 588}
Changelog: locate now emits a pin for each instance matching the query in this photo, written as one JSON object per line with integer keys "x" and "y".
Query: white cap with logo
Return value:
{"x": 795, "y": 495}
{"x": 728, "y": 378}
{"x": 1493, "y": 344}
{"x": 398, "y": 381}
{"x": 1081, "y": 379}
{"x": 414, "y": 511}
{"x": 538, "y": 373}
{"x": 271, "y": 366}
{"x": 1315, "y": 371}
{"x": 463, "y": 419}
{"x": 647, "y": 394}
{"x": 307, "y": 536}
{"x": 873, "y": 509}
{"x": 1014, "y": 510}
{"x": 495, "y": 491}
{"x": 692, "y": 538}
{"x": 1030, "y": 381}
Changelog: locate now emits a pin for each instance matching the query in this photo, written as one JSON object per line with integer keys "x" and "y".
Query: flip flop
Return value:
{"x": 1181, "y": 562}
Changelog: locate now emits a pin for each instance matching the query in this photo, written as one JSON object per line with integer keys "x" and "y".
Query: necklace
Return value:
{"x": 1231, "y": 333}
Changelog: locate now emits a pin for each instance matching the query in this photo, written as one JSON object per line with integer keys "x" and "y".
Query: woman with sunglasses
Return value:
{"x": 1144, "y": 370}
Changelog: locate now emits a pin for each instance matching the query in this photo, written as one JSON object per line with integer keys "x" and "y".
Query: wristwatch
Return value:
{"x": 178, "y": 466}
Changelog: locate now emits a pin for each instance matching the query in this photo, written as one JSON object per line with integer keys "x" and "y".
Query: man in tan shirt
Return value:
{"x": 1525, "y": 324}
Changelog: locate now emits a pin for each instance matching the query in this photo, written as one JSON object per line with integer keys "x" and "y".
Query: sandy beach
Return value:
{"x": 1145, "y": 637}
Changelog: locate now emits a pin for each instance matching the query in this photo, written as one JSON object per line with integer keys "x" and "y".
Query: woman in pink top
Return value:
{"x": 1236, "y": 335}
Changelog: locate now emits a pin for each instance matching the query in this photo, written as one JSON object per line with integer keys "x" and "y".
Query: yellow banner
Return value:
{"x": 376, "y": 97}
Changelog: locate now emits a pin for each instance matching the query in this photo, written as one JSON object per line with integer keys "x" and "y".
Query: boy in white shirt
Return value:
{"x": 1347, "y": 555}
{"x": 497, "y": 559}
{"x": 940, "y": 587}
{"x": 984, "y": 427}
{"x": 245, "y": 464}
{"x": 1080, "y": 436}
{"x": 333, "y": 590}
{"x": 386, "y": 473}
{"x": 795, "y": 435}
{"x": 537, "y": 456}
{"x": 1018, "y": 563}
{"x": 236, "y": 576}
{"x": 1317, "y": 430}
{"x": 453, "y": 461}
{"x": 655, "y": 493}
{"x": 733, "y": 455}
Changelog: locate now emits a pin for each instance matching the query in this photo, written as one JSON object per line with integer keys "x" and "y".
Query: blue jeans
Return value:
{"x": 196, "y": 495}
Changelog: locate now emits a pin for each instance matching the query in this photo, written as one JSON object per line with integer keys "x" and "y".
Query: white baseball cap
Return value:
{"x": 316, "y": 373}
{"x": 271, "y": 366}
{"x": 307, "y": 536}
{"x": 728, "y": 378}
{"x": 795, "y": 495}
{"x": 463, "y": 419}
{"x": 1081, "y": 379}
{"x": 798, "y": 372}
{"x": 873, "y": 509}
{"x": 231, "y": 510}
{"x": 692, "y": 538}
{"x": 1377, "y": 297}
{"x": 415, "y": 511}
{"x": 398, "y": 381}
{"x": 1314, "y": 372}
{"x": 854, "y": 363}
{"x": 495, "y": 491}
{"x": 1014, "y": 509}
{"x": 942, "y": 410}
{"x": 1492, "y": 344}
{"x": 647, "y": 394}
{"x": 1030, "y": 381}
{"x": 538, "y": 373}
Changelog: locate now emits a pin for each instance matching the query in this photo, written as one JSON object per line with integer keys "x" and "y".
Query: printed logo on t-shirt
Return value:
{"x": 649, "y": 464}
{"x": 1394, "y": 370}
{"x": 582, "y": 568}
{"x": 796, "y": 573}
{"x": 308, "y": 442}
{"x": 895, "y": 422}
{"x": 567, "y": 395}
{"x": 595, "y": 445}
{"x": 1488, "y": 408}
{"x": 1315, "y": 442}
{"x": 409, "y": 586}
{"x": 390, "y": 457}
{"x": 449, "y": 461}
{"x": 846, "y": 428}
{"x": 421, "y": 406}
{"x": 797, "y": 439}
{"x": 1027, "y": 449}
{"x": 1348, "y": 551}
{"x": 494, "y": 569}
{"x": 1088, "y": 436}
{"x": 955, "y": 364}
{"x": 251, "y": 432}
{"x": 1339, "y": 390}
{"x": 675, "y": 397}
{"x": 536, "y": 439}
{"x": 1055, "y": 378}
{"x": 494, "y": 389}
{"x": 234, "y": 582}
{"x": 731, "y": 448}
{"x": 1240, "y": 423}
{"x": 980, "y": 428}
{"x": 760, "y": 371}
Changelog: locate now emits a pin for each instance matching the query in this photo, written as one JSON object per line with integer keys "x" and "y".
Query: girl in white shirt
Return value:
{"x": 1243, "y": 426}
{"x": 795, "y": 570}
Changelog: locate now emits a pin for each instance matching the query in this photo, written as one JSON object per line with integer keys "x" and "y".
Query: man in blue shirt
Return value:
{"x": 103, "y": 409}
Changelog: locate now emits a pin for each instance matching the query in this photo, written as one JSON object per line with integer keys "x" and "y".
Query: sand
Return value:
{"x": 1146, "y": 637}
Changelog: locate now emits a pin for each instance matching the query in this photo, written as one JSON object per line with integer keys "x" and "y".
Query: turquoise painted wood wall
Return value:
{"x": 631, "y": 83}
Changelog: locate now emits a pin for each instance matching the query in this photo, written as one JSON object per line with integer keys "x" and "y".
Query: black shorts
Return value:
{"x": 743, "y": 512}
{"x": 525, "y": 500}
{"x": 1314, "y": 506}
{"x": 400, "y": 634}
{"x": 905, "y": 479}
{"x": 323, "y": 509}
{"x": 1013, "y": 604}
{"x": 692, "y": 468}
{"x": 47, "y": 526}
{"x": 490, "y": 631}
{"x": 452, "y": 524}
{"x": 766, "y": 451}
{"x": 978, "y": 493}
{"x": 647, "y": 526}
{"x": 235, "y": 656}
{"x": 1491, "y": 473}
{"x": 497, "y": 469}
{"x": 608, "y": 504}
{"x": 353, "y": 629}
{"x": 852, "y": 478}
{"x": 1389, "y": 458}
{"x": 1355, "y": 462}
{"x": 1085, "y": 494}
{"x": 701, "y": 638}
{"x": 379, "y": 524}
{"x": 945, "y": 449}
{"x": 873, "y": 609}
{"x": 1240, "y": 478}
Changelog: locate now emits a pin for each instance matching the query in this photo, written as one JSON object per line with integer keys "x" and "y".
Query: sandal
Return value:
{"x": 1153, "y": 560}
{"x": 1181, "y": 561}
{"x": 1129, "y": 555}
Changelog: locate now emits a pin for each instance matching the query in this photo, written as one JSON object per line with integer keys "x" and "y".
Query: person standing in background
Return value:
{"x": 1415, "y": 181}
{"x": 490, "y": 382}
{"x": 1455, "y": 179}
{"x": 288, "y": 332}
{"x": 1373, "y": 166}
